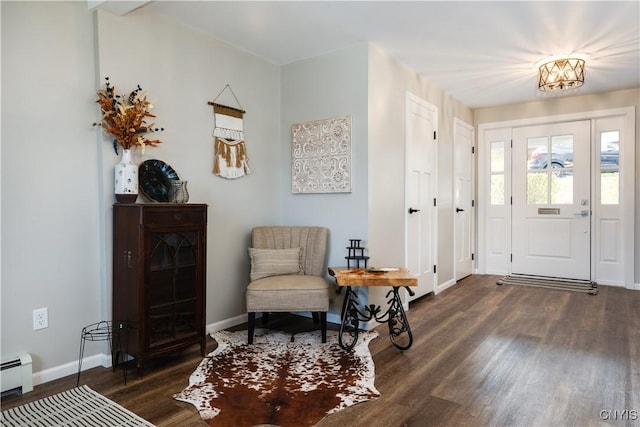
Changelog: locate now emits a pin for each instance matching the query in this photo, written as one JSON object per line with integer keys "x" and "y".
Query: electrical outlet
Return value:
{"x": 40, "y": 318}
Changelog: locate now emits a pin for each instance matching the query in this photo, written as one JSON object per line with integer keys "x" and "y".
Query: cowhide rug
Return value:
{"x": 282, "y": 379}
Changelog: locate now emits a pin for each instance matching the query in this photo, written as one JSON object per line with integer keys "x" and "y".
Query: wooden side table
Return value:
{"x": 395, "y": 316}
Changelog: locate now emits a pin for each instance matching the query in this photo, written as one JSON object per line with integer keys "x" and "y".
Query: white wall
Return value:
{"x": 389, "y": 82}
{"x": 57, "y": 170}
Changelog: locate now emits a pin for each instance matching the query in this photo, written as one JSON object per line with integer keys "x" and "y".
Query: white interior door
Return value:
{"x": 420, "y": 239}
{"x": 462, "y": 200}
{"x": 551, "y": 206}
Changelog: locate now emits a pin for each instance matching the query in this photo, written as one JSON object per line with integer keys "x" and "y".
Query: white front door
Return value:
{"x": 551, "y": 206}
{"x": 462, "y": 200}
{"x": 420, "y": 240}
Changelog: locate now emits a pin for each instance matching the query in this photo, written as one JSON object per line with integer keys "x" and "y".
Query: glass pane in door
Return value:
{"x": 497, "y": 156}
{"x": 537, "y": 177}
{"x": 497, "y": 173}
{"x": 160, "y": 325}
{"x": 561, "y": 172}
{"x": 497, "y": 189}
{"x": 609, "y": 168}
{"x": 550, "y": 172}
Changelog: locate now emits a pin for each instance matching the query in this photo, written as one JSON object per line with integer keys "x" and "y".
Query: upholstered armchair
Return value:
{"x": 287, "y": 273}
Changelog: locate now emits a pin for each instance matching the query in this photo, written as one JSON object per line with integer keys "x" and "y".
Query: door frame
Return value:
{"x": 459, "y": 123}
{"x": 409, "y": 99}
{"x": 499, "y": 262}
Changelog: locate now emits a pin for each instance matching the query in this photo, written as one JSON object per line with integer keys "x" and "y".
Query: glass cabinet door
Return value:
{"x": 172, "y": 286}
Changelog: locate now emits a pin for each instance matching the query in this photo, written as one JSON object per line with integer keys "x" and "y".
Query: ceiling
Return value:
{"x": 482, "y": 53}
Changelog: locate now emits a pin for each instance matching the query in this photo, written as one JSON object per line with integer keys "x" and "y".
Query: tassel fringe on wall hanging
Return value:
{"x": 230, "y": 155}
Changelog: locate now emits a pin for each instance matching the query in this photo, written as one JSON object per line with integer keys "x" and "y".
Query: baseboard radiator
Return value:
{"x": 17, "y": 375}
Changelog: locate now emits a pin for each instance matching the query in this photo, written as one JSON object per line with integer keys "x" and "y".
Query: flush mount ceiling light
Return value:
{"x": 561, "y": 74}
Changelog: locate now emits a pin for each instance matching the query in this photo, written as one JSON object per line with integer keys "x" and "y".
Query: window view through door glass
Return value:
{"x": 609, "y": 168}
{"x": 497, "y": 173}
{"x": 550, "y": 174}
{"x": 562, "y": 159}
{"x": 537, "y": 178}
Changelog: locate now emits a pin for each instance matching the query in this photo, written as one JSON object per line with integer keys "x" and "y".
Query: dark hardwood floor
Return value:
{"x": 483, "y": 355}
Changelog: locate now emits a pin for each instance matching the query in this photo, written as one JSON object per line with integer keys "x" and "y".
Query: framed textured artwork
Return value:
{"x": 321, "y": 156}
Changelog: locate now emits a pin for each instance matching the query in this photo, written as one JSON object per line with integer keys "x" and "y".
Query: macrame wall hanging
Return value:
{"x": 230, "y": 155}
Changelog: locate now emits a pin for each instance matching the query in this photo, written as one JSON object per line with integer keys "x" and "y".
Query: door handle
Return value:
{"x": 584, "y": 212}
{"x": 459, "y": 210}
{"x": 411, "y": 210}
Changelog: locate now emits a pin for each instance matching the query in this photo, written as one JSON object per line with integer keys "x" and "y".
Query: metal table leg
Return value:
{"x": 399, "y": 330}
{"x": 395, "y": 317}
{"x": 349, "y": 325}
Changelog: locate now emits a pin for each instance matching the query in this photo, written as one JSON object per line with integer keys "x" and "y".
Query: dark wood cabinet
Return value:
{"x": 159, "y": 276}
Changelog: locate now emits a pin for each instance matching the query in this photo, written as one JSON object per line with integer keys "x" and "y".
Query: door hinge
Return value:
{"x": 472, "y": 257}
{"x": 434, "y": 135}
{"x": 511, "y": 200}
{"x": 510, "y": 257}
{"x": 473, "y": 203}
{"x": 434, "y": 268}
{"x": 434, "y": 201}
{"x": 511, "y": 143}
{"x": 473, "y": 150}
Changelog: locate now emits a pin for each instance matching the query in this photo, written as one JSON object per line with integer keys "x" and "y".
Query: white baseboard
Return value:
{"x": 104, "y": 360}
{"x": 444, "y": 286}
{"x": 238, "y": 320}
{"x": 227, "y": 323}
{"x": 632, "y": 286}
{"x": 71, "y": 368}
{"x": 333, "y": 318}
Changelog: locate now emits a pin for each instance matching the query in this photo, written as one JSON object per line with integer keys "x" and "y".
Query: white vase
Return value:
{"x": 126, "y": 179}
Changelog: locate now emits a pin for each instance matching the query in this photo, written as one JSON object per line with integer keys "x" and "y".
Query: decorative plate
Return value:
{"x": 155, "y": 178}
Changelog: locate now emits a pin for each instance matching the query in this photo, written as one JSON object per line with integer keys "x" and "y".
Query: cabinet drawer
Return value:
{"x": 178, "y": 216}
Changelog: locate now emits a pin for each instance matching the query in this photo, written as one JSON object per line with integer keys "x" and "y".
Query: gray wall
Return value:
{"x": 182, "y": 70}
{"x": 57, "y": 186}
{"x": 324, "y": 87}
{"x": 52, "y": 234}
{"x": 364, "y": 82}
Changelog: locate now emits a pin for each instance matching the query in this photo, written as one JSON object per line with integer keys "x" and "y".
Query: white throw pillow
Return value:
{"x": 275, "y": 262}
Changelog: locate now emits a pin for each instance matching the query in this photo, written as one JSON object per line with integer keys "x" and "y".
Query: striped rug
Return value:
{"x": 81, "y": 407}
{"x": 585, "y": 286}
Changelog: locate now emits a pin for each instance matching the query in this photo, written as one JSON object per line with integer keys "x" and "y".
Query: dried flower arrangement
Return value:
{"x": 125, "y": 117}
